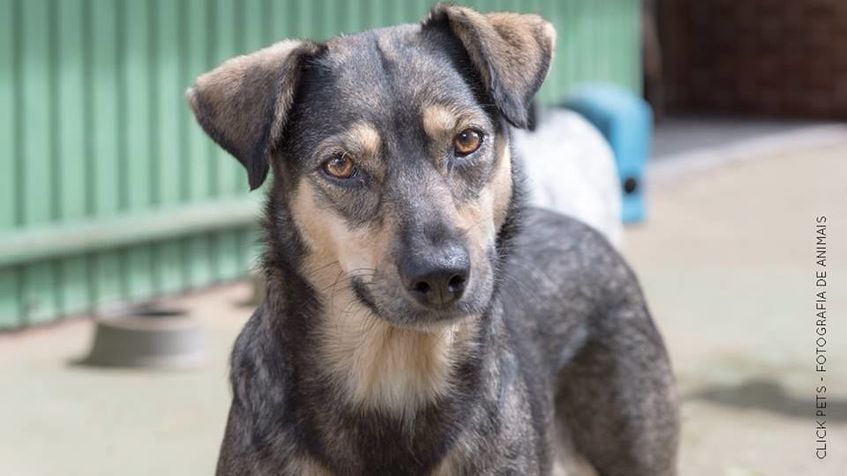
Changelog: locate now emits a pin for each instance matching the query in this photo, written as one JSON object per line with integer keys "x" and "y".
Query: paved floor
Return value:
{"x": 725, "y": 260}
{"x": 680, "y": 134}
{"x": 59, "y": 418}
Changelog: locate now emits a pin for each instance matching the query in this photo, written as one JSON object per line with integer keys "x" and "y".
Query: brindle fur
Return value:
{"x": 548, "y": 362}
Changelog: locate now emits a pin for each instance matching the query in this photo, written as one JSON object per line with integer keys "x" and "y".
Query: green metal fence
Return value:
{"x": 110, "y": 192}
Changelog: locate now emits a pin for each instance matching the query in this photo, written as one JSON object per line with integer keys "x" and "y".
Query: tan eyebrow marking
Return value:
{"x": 439, "y": 120}
{"x": 364, "y": 138}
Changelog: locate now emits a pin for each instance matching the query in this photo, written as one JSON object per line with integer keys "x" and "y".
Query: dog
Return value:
{"x": 419, "y": 319}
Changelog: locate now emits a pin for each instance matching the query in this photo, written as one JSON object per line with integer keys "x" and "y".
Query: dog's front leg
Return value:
{"x": 236, "y": 456}
{"x": 616, "y": 399}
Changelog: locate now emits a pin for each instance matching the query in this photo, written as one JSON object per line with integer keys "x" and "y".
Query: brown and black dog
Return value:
{"x": 419, "y": 319}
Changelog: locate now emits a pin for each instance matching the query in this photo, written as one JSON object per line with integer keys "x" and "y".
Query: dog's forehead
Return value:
{"x": 393, "y": 49}
{"x": 380, "y": 69}
{"x": 388, "y": 39}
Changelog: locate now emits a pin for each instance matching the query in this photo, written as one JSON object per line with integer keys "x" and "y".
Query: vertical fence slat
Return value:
{"x": 253, "y": 24}
{"x": 569, "y": 42}
{"x": 182, "y": 54}
{"x": 8, "y": 121}
{"x": 410, "y": 13}
{"x": 35, "y": 90}
{"x": 318, "y": 20}
{"x": 106, "y": 270}
{"x": 279, "y": 12}
{"x": 366, "y": 16}
{"x": 628, "y": 24}
{"x": 601, "y": 37}
{"x": 137, "y": 64}
{"x": 139, "y": 155}
{"x": 105, "y": 101}
{"x": 169, "y": 263}
{"x": 351, "y": 22}
{"x": 10, "y": 309}
{"x": 72, "y": 132}
{"x": 121, "y": 103}
{"x": 632, "y": 72}
{"x": 306, "y": 21}
{"x": 38, "y": 286}
{"x": 72, "y": 272}
{"x": 583, "y": 27}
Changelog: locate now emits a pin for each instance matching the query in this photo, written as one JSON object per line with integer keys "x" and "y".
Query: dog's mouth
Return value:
{"x": 402, "y": 311}
{"x": 363, "y": 294}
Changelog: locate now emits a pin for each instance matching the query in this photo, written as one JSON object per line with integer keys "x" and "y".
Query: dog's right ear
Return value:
{"x": 510, "y": 51}
{"x": 243, "y": 103}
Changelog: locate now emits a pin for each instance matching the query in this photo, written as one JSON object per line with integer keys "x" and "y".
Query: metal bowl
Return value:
{"x": 147, "y": 337}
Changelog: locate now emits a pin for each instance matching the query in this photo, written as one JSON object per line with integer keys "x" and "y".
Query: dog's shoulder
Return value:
{"x": 260, "y": 414}
{"x": 245, "y": 353}
{"x": 564, "y": 279}
{"x": 258, "y": 366}
{"x": 539, "y": 223}
{"x": 561, "y": 246}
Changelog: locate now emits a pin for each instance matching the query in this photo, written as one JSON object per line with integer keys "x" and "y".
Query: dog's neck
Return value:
{"x": 379, "y": 366}
{"x": 360, "y": 382}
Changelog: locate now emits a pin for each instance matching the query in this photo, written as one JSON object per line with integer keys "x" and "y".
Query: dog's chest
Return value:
{"x": 489, "y": 434}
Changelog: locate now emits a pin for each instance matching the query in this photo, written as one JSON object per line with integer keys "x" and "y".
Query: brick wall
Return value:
{"x": 773, "y": 57}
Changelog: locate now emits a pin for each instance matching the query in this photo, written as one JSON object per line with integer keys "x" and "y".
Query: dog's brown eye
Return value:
{"x": 467, "y": 142}
{"x": 340, "y": 166}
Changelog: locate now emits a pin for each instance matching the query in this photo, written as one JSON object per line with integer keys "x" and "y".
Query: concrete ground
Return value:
{"x": 726, "y": 261}
{"x": 680, "y": 134}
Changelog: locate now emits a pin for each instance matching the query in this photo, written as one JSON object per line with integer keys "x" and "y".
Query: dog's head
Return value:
{"x": 390, "y": 149}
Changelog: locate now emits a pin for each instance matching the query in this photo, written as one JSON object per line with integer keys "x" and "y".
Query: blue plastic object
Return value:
{"x": 626, "y": 121}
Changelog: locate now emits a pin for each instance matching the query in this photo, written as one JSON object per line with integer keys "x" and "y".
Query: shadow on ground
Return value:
{"x": 769, "y": 395}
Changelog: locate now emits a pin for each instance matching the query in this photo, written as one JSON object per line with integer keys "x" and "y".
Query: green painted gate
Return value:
{"x": 110, "y": 192}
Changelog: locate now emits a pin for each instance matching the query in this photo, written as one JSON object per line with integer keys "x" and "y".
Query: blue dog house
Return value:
{"x": 626, "y": 121}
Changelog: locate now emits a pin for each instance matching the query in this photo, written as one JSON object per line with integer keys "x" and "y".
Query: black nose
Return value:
{"x": 438, "y": 278}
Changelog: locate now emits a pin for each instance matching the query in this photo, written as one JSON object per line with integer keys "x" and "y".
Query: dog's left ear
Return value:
{"x": 243, "y": 103}
{"x": 510, "y": 51}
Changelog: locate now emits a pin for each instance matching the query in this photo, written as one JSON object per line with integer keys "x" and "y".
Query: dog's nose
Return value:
{"x": 437, "y": 280}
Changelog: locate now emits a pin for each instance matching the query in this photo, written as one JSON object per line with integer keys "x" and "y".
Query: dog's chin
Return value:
{"x": 401, "y": 311}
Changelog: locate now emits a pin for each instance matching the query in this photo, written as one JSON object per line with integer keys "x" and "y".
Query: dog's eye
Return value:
{"x": 339, "y": 166}
{"x": 467, "y": 142}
